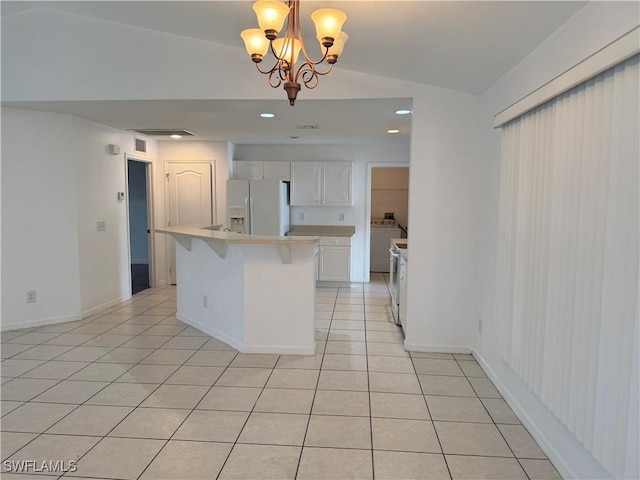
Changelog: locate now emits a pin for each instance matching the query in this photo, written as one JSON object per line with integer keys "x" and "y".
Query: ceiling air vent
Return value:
{"x": 141, "y": 145}
{"x": 307, "y": 127}
{"x": 164, "y": 132}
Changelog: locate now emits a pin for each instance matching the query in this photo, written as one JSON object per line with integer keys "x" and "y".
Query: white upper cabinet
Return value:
{"x": 248, "y": 170}
{"x": 317, "y": 183}
{"x": 336, "y": 184}
{"x": 276, "y": 170}
{"x": 305, "y": 183}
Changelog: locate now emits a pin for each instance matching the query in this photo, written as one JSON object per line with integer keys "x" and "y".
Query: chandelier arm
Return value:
{"x": 308, "y": 71}
{"x": 309, "y": 76}
{"x": 278, "y": 78}
{"x": 269, "y": 71}
{"x": 307, "y": 57}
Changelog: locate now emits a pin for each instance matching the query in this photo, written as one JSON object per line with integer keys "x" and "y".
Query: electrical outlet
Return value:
{"x": 32, "y": 296}
{"x": 205, "y": 301}
{"x": 480, "y": 325}
{"x": 301, "y": 216}
{"x": 101, "y": 226}
{"x": 341, "y": 217}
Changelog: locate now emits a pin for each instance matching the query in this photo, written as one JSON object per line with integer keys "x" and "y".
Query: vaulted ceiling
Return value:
{"x": 460, "y": 45}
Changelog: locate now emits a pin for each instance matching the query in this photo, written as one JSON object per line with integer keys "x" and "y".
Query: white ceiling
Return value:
{"x": 461, "y": 45}
{"x": 339, "y": 122}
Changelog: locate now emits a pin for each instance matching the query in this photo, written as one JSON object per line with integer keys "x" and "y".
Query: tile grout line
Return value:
{"x": 493, "y": 420}
{"x": 192, "y": 410}
{"x": 315, "y": 392}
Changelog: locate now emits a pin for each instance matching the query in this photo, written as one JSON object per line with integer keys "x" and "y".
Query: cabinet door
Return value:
{"x": 305, "y": 183}
{"x": 248, "y": 170}
{"x": 336, "y": 186}
{"x": 334, "y": 264}
{"x": 277, "y": 170}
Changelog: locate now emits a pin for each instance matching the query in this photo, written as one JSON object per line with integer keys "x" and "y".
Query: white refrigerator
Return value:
{"x": 258, "y": 207}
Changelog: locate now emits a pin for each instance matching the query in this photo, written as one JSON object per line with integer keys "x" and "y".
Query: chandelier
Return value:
{"x": 271, "y": 16}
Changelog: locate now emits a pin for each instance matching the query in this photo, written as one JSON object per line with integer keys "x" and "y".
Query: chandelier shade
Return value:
{"x": 286, "y": 50}
{"x": 336, "y": 49}
{"x": 271, "y": 15}
{"x": 328, "y": 22}
{"x": 255, "y": 42}
{"x": 283, "y": 48}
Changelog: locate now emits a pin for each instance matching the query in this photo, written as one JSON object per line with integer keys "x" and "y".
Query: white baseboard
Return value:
{"x": 279, "y": 350}
{"x": 539, "y": 436}
{"x": 209, "y": 331}
{"x": 110, "y": 303}
{"x": 412, "y": 347}
{"x": 246, "y": 348}
{"x": 40, "y": 322}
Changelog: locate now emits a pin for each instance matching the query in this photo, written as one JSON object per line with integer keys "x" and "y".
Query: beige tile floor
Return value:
{"x": 133, "y": 393}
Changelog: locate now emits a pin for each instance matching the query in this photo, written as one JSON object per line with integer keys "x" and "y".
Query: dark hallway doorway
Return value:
{"x": 138, "y": 225}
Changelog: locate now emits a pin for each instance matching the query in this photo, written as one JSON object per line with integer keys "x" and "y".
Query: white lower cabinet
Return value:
{"x": 334, "y": 259}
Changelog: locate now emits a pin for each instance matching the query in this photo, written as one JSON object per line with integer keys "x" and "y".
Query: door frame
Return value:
{"x": 150, "y": 218}
{"x": 367, "y": 228}
{"x": 170, "y": 242}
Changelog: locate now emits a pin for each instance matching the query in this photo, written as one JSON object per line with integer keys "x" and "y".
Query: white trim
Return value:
{"x": 109, "y": 304}
{"x": 151, "y": 238}
{"x": 617, "y": 51}
{"x": 40, "y": 322}
{"x": 414, "y": 347}
{"x": 169, "y": 241}
{"x": 538, "y": 435}
{"x": 245, "y": 348}
{"x": 367, "y": 212}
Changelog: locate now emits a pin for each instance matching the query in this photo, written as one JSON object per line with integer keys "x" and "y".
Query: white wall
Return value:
{"x": 104, "y": 258}
{"x": 42, "y": 59}
{"x": 58, "y": 181}
{"x": 196, "y": 151}
{"x": 593, "y": 27}
{"x": 193, "y": 151}
{"x": 441, "y": 292}
{"x": 361, "y": 155}
{"x": 39, "y": 229}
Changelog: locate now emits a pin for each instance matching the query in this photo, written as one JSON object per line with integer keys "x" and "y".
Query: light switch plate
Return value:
{"x": 101, "y": 226}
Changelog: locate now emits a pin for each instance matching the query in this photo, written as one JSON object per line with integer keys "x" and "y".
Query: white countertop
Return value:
{"x": 404, "y": 252}
{"x": 204, "y": 232}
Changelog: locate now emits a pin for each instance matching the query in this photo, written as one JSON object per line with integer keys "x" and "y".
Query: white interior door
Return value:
{"x": 190, "y": 200}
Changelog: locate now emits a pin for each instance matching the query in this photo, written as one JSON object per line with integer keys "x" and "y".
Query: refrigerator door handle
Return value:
{"x": 251, "y": 216}
{"x": 247, "y": 216}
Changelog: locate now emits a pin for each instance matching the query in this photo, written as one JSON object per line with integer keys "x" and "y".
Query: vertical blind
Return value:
{"x": 567, "y": 271}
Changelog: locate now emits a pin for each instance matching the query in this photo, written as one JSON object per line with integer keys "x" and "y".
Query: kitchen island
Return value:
{"x": 255, "y": 293}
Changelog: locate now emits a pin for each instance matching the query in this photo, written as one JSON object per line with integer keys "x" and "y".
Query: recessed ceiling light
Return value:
{"x": 402, "y": 112}
{"x": 176, "y": 136}
{"x": 267, "y": 115}
{"x": 393, "y": 131}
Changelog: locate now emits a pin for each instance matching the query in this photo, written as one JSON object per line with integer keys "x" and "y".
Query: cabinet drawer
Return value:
{"x": 335, "y": 241}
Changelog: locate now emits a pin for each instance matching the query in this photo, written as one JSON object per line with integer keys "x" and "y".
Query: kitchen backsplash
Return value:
{"x": 322, "y": 216}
